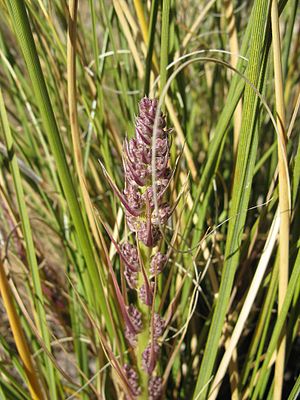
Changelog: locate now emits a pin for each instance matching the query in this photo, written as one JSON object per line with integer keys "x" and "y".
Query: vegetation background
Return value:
{"x": 71, "y": 77}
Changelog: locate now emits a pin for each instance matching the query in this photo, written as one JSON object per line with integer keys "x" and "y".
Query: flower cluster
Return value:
{"x": 138, "y": 193}
{"x": 133, "y": 381}
{"x": 155, "y": 387}
{"x": 145, "y": 214}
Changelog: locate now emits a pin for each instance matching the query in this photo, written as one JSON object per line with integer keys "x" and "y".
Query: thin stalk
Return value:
{"x": 293, "y": 7}
{"x": 143, "y": 339}
{"x": 234, "y": 48}
{"x": 95, "y": 42}
{"x": 142, "y": 20}
{"x": 164, "y": 48}
{"x": 284, "y": 195}
{"x": 150, "y": 56}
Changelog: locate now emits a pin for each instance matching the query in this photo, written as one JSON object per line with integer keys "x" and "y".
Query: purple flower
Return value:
{"x": 158, "y": 326}
{"x": 133, "y": 381}
{"x": 136, "y": 318}
{"x": 130, "y": 255}
{"x": 133, "y": 324}
{"x": 150, "y": 356}
{"x": 164, "y": 212}
{"x": 131, "y": 278}
{"x": 149, "y": 235}
{"x": 146, "y": 293}
{"x": 155, "y": 387}
{"x": 131, "y": 337}
{"x": 134, "y": 197}
{"x": 138, "y": 198}
{"x": 157, "y": 263}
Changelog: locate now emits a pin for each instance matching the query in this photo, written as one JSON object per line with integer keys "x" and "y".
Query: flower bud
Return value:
{"x": 155, "y": 387}
{"x": 150, "y": 356}
{"x": 138, "y": 197}
{"x": 133, "y": 381}
{"x": 157, "y": 263}
{"x": 158, "y": 326}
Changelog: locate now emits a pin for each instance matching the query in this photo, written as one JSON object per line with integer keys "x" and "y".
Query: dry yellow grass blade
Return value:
{"x": 19, "y": 338}
{"x": 129, "y": 38}
{"x": 142, "y": 20}
{"x": 144, "y": 29}
{"x": 284, "y": 195}
{"x": 130, "y": 18}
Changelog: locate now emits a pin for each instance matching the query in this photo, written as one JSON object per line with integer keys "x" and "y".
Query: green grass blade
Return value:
{"x": 164, "y": 48}
{"x": 91, "y": 277}
{"x": 30, "y": 248}
{"x": 293, "y": 282}
{"x": 295, "y": 391}
{"x": 240, "y": 197}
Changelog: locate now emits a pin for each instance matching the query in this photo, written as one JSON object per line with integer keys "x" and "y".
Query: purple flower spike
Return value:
{"x": 157, "y": 263}
{"x": 133, "y": 381}
{"x": 150, "y": 357}
{"x": 138, "y": 198}
{"x": 155, "y": 388}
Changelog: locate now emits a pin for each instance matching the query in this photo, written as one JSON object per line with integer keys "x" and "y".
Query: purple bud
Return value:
{"x": 131, "y": 337}
{"x": 133, "y": 197}
{"x": 164, "y": 212}
{"x": 146, "y": 294}
{"x": 137, "y": 152}
{"x": 162, "y": 147}
{"x": 139, "y": 173}
{"x": 133, "y": 381}
{"x": 130, "y": 254}
{"x": 155, "y": 387}
{"x": 150, "y": 356}
{"x": 148, "y": 106}
{"x": 161, "y": 164}
{"x": 149, "y": 237}
{"x": 136, "y": 318}
{"x": 138, "y": 197}
{"x": 133, "y": 323}
{"x": 132, "y": 222}
{"x": 157, "y": 263}
{"x": 158, "y": 326}
{"x": 131, "y": 278}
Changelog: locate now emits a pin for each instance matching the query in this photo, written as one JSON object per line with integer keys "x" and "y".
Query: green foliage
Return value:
{"x": 54, "y": 217}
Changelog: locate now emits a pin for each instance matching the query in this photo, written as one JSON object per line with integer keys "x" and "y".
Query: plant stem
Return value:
{"x": 284, "y": 196}
{"x": 143, "y": 337}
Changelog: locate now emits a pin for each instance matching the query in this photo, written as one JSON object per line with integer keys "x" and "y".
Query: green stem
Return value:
{"x": 144, "y": 336}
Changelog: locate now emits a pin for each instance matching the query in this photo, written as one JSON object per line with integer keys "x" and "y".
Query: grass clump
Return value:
{"x": 138, "y": 261}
